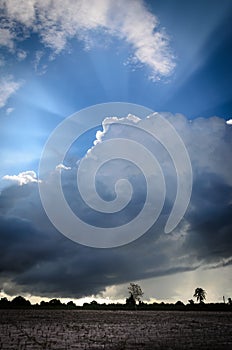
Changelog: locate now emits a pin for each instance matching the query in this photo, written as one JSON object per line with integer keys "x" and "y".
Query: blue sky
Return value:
{"x": 169, "y": 56}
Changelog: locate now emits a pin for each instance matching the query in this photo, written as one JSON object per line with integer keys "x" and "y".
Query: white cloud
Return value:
{"x": 25, "y": 13}
{"x": 204, "y": 139}
{"x": 7, "y": 88}
{"x": 229, "y": 122}
{"x": 61, "y": 166}
{"x": 21, "y": 54}
{"x": 58, "y": 21}
{"x": 22, "y": 178}
{"x": 40, "y": 69}
{"x": 9, "y": 110}
{"x": 113, "y": 120}
{"x": 6, "y": 38}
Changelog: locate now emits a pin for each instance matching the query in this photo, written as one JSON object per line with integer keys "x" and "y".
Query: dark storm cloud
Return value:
{"x": 46, "y": 263}
{"x": 37, "y": 259}
{"x": 210, "y": 219}
{"x": 22, "y": 246}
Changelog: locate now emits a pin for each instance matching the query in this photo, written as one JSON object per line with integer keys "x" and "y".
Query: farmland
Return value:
{"x": 82, "y": 329}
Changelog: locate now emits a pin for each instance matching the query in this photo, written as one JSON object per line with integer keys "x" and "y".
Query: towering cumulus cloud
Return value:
{"x": 37, "y": 259}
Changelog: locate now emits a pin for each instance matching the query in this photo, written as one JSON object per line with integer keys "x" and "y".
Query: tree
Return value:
{"x": 179, "y": 303}
{"x": 71, "y": 304}
{"x": 200, "y": 294}
{"x": 20, "y": 302}
{"x": 135, "y": 291}
{"x": 4, "y": 303}
{"x": 130, "y": 301}
{"x": 43, "y": 304}
{"x": 55, "y": 303}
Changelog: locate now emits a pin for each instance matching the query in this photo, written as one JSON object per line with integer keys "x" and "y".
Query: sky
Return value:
{"x": 173, "y": 57}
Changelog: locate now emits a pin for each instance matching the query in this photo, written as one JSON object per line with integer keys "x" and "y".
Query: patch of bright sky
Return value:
{"x": 55, "y": 87}
{"x": 203, "y": 50}
{"x": 165, "y": 288}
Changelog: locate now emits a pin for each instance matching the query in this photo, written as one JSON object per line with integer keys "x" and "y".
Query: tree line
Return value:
{"x": 133, "y": 302}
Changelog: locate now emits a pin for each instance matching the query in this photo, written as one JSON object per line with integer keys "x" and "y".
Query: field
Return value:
{"x": 79, "y": 329}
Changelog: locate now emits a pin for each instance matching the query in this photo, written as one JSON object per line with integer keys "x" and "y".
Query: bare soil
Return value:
{"x": 117, "y": 330}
